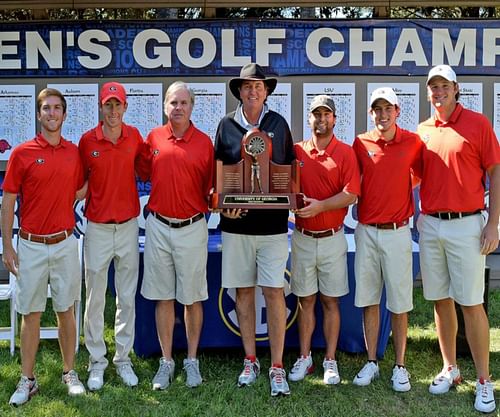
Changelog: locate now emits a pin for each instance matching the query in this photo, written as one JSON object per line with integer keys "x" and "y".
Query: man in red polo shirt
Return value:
{"x": 45, "y": 173}
{"x": 460, "y": 150}
{"x": 111, "y": 153}
{"x": 175, "y": 254}
{"x": 385, "y": 155}
{"x": 330, "y": 182}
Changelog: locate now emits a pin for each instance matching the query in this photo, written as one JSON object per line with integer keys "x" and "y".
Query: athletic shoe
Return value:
{"x": 251, "y": 371}
{"x": 192, "y": 368}
{"x": 165, "y": 374}
{"x": 303, "y": 366}
{"x": 127, "y": 374}
{"x": 277, "y": 378}
{"x": 331, "y": 375}
{"x": 400, "y": 379}
{"x": 96, "y": 379}
{"x": 485, "y": 398}
{"x": 367, "y": 374}
{"x": 445, "y": 380}
{"x": 75, "y": 386}
{"x": 25, "y": 389}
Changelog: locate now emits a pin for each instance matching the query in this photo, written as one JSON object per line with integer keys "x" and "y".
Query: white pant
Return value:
{"x": 105, "y": 243}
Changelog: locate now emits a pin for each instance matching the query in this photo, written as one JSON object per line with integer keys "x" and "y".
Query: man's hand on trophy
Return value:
{"x": 234, "y": 213}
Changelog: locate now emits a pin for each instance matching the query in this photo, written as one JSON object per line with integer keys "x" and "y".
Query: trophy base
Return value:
{"x": 288, "y": 201}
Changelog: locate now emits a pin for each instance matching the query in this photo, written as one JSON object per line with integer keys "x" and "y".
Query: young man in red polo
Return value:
{"x": 45, "y": 173}
{"x": 461, "y": 149}
{"x": 175, "y": 255}
{"x": 329, "y": 180}
{"x": 111, "y": 153}
{"x": 386, "y": 156}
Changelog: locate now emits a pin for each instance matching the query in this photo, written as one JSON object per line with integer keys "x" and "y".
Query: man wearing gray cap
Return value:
{"x": 330, "y": 183}
{"x": 460, "y": 150}
{"x": 386, "y": 156}
{"x": 255, "y": 242}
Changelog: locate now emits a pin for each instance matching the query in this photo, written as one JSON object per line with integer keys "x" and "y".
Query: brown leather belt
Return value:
{"x": 177, "y": 225}
{"x": 318, "y": 235}
{"x": 45, "y": 239}
{"x": 389, "y": 226}
{"x": 450, "y": 215}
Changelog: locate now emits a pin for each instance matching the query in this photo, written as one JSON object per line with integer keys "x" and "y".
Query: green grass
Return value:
{"x": 220, "y": 397}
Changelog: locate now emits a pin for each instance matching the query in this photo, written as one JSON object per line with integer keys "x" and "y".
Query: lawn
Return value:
{"x": 219, "y": 396}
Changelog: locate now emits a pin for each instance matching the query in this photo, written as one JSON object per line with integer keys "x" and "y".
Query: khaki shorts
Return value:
{"x": 450, "y": 258}
{"x": 383, "y": 257}
{"x": 249, "y": 260}
{"x": 319, "y": 264}
{"x": 41, "y": 265}
{"x": 175, "y": 262}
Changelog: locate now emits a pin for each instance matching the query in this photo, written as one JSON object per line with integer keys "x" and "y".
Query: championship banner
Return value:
{"x": 221, "y": 47}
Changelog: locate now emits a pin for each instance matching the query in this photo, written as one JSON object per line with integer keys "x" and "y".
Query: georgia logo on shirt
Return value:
{"x": 40, "y": 161}
{"x": 371, "y": 154}
{"x": 270, "y": 134}
{"x": 156, "y": 152}
{"x": 95, "y": 154}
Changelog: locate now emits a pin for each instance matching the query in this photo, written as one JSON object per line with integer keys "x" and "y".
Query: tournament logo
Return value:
{"x": 95, "y": 154}
{"x": 227, "y": 309}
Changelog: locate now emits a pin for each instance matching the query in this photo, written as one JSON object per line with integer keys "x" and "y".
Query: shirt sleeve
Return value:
{"x": 351, "y": 177}
{"x": 14, "y": 173}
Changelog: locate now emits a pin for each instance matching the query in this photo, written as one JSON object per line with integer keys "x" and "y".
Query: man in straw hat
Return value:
{"x": 460, "y": 150}
{"x": 255, "y": 242}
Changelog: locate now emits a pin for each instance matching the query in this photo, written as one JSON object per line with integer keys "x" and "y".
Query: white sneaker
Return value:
{"x": 400, "y": 379}
{"x": 277, "y": 379}
{"x": 24, "y": 391}
{"x": 445, "y": 380}
{"x": 96, "y": 379}
{"x": 485, "y": 398}
{"x": 75, "y": 386}
{"x": 193, "y": 376}
{"x": 251, "y": 371}
{"x": 165, "y": 374}
{"x": 331, "y": 374}
{"x": 303, "y": 366}
{"x": 367, "y": 374}
{"x": 127, "y": 374}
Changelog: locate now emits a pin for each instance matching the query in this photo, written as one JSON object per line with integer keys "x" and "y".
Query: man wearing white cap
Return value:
{"x": 330, "y": 182}
{"x": 386, "y": 156}
{"x": 460, "y": 150}
{"x": 111, "y": 153}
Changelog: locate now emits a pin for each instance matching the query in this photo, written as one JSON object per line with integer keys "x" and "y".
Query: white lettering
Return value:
{"x": 163, "y": 57}
{"x": 465, "y": 45}
{"x": 36, "y": 45}
{"x": 357, "y": 47}
{"x": 263, "y": 48}
{"x": 9, "y": 50}
{"x": 86, "y": 45}
{"x": 229, "y": 58}
{"x": 490, "y": 48}
{"x": 209, "y": 48}
{"x": 312, "y": 47}
{"x": 409, "y": 39}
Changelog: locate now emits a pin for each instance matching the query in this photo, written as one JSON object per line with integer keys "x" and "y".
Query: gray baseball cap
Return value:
{"x": 322, "y": 101}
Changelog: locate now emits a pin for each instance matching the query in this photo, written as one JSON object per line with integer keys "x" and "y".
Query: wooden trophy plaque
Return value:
{"x": 256, "y": 182}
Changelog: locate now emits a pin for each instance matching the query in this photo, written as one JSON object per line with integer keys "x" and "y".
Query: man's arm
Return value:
{"x": 9, "y": 255}
{"x": 489, "y": 236}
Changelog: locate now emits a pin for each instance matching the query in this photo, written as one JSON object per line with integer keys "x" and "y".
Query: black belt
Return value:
{"x": 177, "y": 225}
{"x": 389, "y": 226}
{"x": 318, "y": 235}
{"x": 450, "y": 215}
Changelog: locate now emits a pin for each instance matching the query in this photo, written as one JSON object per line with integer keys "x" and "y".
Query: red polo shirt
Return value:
{"x": 182, "y": 172}
{"x": 324, "y": 174}
{"x": 46, "y": 178}
{"x": 110, "y": 169}
{"x": 385, "y": 166}
{"x": 455, "y": 158}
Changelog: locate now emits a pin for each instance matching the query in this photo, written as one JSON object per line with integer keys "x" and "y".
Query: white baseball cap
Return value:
{"x": 444, "y": 71}
{"x": 387, "y": 93}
